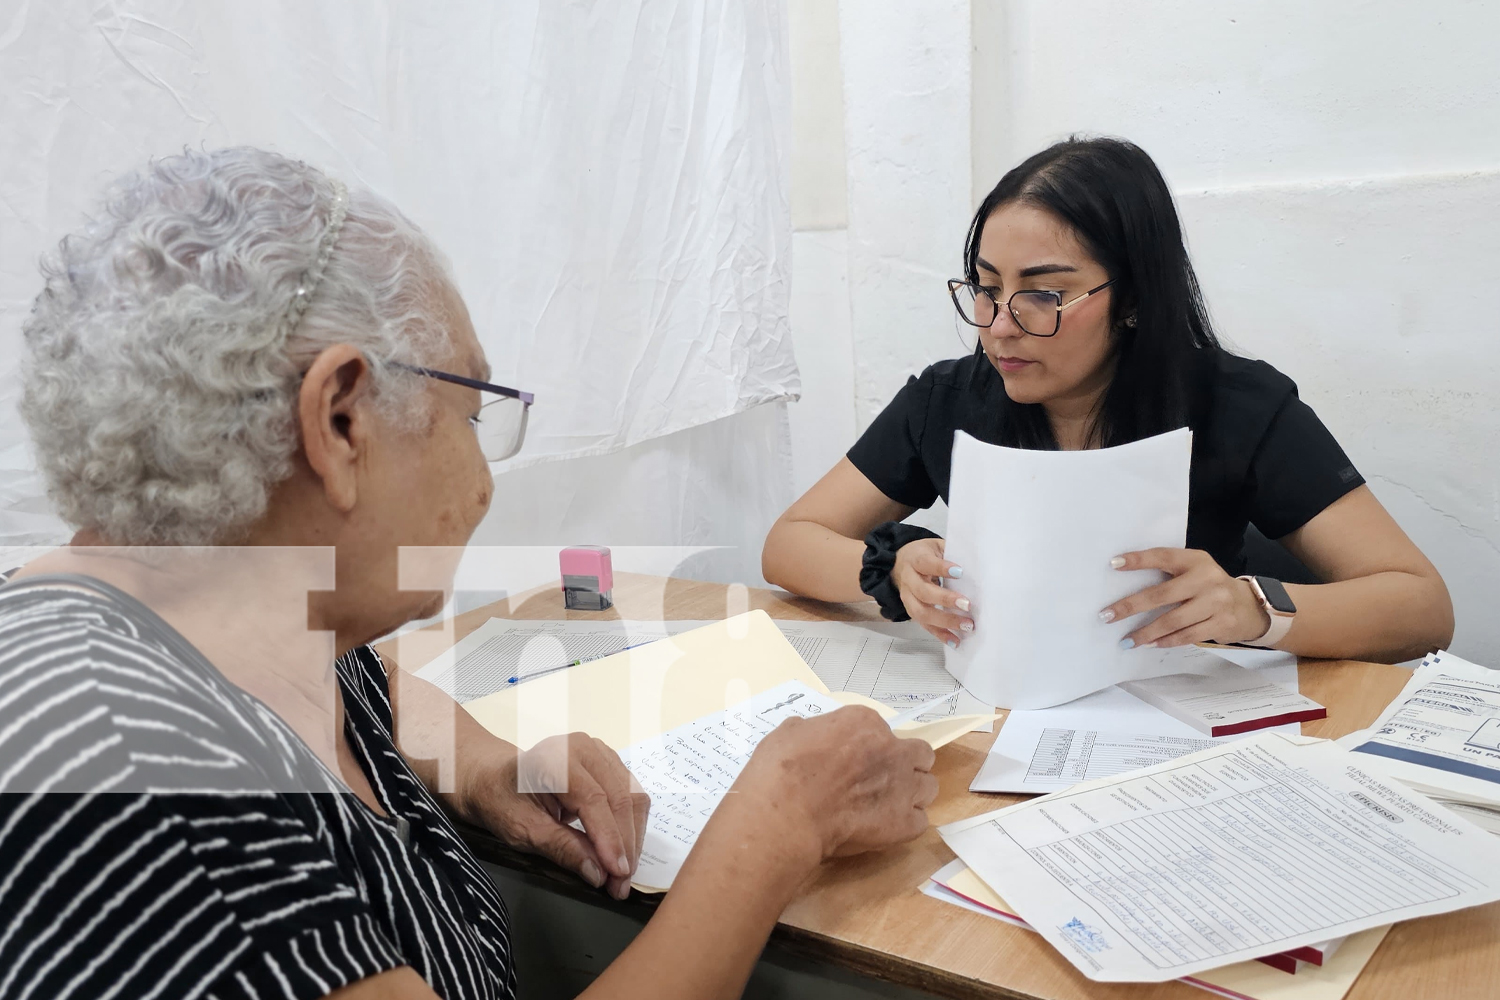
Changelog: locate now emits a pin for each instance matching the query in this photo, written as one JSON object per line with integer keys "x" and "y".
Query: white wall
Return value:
{"x": 718, "y": 486}
{"x": 1338, "y": 171}
{"x": 906, "y": 114}
{"x": 822, "y": 422}
{"x": 896, "y": 117}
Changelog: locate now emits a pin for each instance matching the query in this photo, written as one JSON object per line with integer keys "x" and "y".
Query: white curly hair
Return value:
{"x": 164, "y": 355}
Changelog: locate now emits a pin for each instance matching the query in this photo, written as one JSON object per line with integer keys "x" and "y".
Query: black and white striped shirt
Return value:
{"x": 267, "y": 879}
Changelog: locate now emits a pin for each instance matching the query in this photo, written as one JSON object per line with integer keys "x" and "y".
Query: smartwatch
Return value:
{"x": 1278, "y": 606}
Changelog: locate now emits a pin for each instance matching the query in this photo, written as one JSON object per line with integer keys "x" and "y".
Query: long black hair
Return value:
{"x": 1112, "y": 196}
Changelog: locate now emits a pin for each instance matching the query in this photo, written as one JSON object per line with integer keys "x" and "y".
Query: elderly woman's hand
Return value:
{"x": 529, "y": 800}
{"x": 841, "y": 784}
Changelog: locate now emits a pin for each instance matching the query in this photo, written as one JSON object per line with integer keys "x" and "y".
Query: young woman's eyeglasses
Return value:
{"x": 1035, "y": 311}
{"x": 501, "y": 422}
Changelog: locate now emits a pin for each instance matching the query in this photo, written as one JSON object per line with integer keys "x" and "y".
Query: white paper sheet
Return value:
{"x": 1108, "y": 732}
{"x": 687, "y": 771}
{"x": 485, "y": 660}
{"x": 1442, "y": 732}
{"x": 894, "y": 664}
{"x": 1035, "y": 532}
{"x": 1054, "y": 757}
{"x": 1260, "y": 846}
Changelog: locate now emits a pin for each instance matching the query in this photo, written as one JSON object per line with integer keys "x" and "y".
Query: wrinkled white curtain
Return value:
{"x": 609, "y": 179}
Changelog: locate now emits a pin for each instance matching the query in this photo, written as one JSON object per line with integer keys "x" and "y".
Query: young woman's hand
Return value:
{"x": 919, "y": 568}
{"x": 838, "y": 784}
{"x": 1210, "y": 604}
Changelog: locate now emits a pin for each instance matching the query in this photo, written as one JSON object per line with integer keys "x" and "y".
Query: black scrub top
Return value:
{"x": 1260, "y": 454}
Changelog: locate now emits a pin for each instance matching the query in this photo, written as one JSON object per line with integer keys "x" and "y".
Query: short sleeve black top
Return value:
{"x": 1260, "y": 454}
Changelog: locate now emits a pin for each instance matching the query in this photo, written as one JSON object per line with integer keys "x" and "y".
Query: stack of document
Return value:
{"x": 898, "y": 665}
{"x": 1441, "y": 736}
{"x": 1254, "y": 848}
{"x": 1114, "y": 731}
{"x": 685, "y": 713}
{"x": 1327, "y": 970}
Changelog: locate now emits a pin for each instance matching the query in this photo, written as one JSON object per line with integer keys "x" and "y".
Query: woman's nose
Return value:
{"x": 1004, "y": 327}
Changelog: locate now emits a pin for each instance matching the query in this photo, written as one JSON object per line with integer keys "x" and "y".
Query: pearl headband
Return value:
{"x": 308, "y": 284}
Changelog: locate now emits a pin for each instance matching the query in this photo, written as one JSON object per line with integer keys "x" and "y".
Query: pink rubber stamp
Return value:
{"x": 588, "y": 580}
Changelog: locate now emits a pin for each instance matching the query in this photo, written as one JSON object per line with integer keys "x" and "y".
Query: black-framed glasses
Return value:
{"x": 1036, "y": 311}
{"x": 501, "y": 423}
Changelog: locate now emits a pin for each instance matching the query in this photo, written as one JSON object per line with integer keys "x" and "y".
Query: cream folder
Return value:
{"x": 643, "y": 692}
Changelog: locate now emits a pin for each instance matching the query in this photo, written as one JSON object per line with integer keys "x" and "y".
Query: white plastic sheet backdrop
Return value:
{"x": 609, "y": 180}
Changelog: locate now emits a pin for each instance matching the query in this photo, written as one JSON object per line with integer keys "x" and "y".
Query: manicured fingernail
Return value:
{"x": 1127, "y": 643}
{"x": 951, "y": 644}
{"x": 624, "y": 864}
{"x": 592, "y": 875}
{"x": 955, "y": 572}
{"x": 966, "y": 626}
{"x": 621, "y": 891}
{"x": 1118, "y": 562}
{"x": 962, "y": 604}
{"x": 1106, "y": 616}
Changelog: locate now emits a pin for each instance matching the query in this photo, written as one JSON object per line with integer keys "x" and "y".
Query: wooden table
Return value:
{"x": 867, "y": 914}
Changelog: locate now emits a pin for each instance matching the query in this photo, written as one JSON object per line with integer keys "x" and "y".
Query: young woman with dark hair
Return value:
{"x": 1090, "y": 332}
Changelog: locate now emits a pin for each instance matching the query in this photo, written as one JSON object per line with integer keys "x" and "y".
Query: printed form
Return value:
{"x": 1242, "y": 850}
{"x": 1062, "y": 758}
{"x": 688, "y": 770}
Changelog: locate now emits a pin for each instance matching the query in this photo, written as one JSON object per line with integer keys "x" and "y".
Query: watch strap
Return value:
{"x": 1281, "y": 621}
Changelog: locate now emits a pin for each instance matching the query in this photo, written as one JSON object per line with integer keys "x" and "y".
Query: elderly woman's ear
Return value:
{"x": 336, "y": 429}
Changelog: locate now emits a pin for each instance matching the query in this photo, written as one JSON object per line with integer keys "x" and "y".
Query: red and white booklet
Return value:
{"x": 1226, "y": 703}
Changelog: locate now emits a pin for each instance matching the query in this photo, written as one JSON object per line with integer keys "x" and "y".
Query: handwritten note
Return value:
{"x": 688, "y": 770}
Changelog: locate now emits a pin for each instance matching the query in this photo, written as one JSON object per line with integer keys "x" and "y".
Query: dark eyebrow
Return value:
{"x": 1029, "y": 272}
{"x": 1032, "y": 272}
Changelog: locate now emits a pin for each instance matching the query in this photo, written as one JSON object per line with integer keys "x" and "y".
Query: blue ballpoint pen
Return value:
{"x": 566, "y": 666}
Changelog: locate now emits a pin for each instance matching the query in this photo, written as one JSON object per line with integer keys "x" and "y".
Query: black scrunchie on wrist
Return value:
{"x": 880, "y": 558}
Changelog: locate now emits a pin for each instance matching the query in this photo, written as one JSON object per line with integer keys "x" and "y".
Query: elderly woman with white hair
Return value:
{"x": 239, "y": 373}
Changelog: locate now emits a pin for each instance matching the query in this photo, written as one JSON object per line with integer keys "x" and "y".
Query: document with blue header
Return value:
{"x": 1441, "y": 736}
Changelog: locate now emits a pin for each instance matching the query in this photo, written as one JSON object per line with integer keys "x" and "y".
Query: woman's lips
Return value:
{"x": 1013, "y": 364}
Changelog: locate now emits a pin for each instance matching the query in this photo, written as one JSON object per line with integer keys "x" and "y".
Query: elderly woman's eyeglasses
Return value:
{"x": 501, "y": 422}
{"x": 1035, "y": 311}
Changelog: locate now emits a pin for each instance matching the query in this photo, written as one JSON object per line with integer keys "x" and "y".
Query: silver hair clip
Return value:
{"x": 308, "y": 284}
